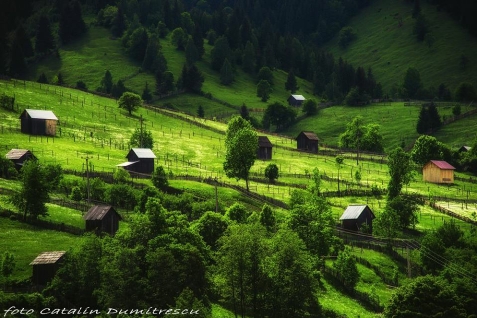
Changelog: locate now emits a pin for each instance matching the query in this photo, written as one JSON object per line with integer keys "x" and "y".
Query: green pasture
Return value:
{"x": 89, "y": 57}
{"x": 390, "y": 48}
{"x": 460, "y": 133}
{"x": 370, "y": 283}
{"x": 25, "y": 242}
{"x": 397, "y": 123}
{"x": 330, "y": 298}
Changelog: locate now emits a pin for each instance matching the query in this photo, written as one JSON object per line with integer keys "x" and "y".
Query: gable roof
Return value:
{"x": 143, "y": 153}
{"x": 48, "y": 257}
{"x": 465, "y": 148}
{"x": 309, "y": 134}
{"x": 41, "y": 114}
{"x": 17, "y": 153}
{"x": 353, "y": 212}
{"x": 442, "y": 165}
{"x": 298, "y": 97}
{"x": 98, "y": 212}
{"x": 263, "y": 141}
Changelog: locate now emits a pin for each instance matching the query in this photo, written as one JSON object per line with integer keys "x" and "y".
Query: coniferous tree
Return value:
{"x": 17, "y": 66}
{"x": 61, "y": 80}
{"x": 3, "y": 44}
{"x": 138, "y": 44}
{"x": 198, "y": 41}
{"x": 194, "y": 79}
{"x": 71, "y": 24}
{"x": 422, "y": 121}
{"x": 248, "y": 58}
{"x": 291, "y": 84}
{"x": 118, "y": 89}
{"x": 435, "y": 121}
{"x": 191, "y": 52}
{"x": 226, "y": 73}
{"x": 146, "y": 94}
{"x": 42, "y": 79}
{"x": 107, "y": 82}
{"x": 219, "y": 53}
{"x": 200, "y": 111}
{"x": 263, "y": 90}
{"x": 118, "y": 24}
{"x": 244, "y": 112}
{"x": 44, "y": 39}
{"x": 152, "y": 50}
{"x": 24, "y": 41}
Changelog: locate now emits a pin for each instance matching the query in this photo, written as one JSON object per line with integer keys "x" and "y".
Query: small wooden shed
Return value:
{"x": 38, "y": 122}
{"x": 307, "y": 141}
{"x": 355, "y": 216}
{"x": 45, "y": 266}
{"x": 19, "y": 156}
{"x": 264, "y": 151}
{"x": 438, "y": 171}
{"x": 296, "y": 100}
{"x": 140, "y": 160}
{"x": 102, "y": 218}
{"x": 465, "y": 149}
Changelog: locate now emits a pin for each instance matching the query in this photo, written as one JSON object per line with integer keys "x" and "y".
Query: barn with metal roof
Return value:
{"x": 355, "y": 216}
{"x": 38, "y": 122}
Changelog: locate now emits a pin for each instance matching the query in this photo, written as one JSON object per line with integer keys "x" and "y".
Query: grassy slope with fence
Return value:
{"x": 187, "y": 149}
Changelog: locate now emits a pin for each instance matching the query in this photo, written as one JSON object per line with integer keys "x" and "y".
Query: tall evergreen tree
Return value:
{"x": 248, "y": 58}
{"x": 198, "y": 40}
{"x": 3, "y": 44}
{"x": 146, "y": 94}
{"x": 17, "y": 65}
{"x": 138, "y": 44}
{"x": 291, "y": 84}
{"x": 219, "y": 53}
{"x": 118, "y": 24}
{"x": 191, "y": 52}
{"x": 226, "y": 73}
{"x": 422, "y": 121}
{"x": 44, "y": 39}
{"x": 24, "y": 41}
{"x": 150, "y": 56}
{"x": 71, "y": 24}
{"x": 107, "y": 82}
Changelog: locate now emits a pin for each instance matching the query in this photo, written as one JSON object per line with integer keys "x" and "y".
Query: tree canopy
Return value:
{"x": 130, "y": 102}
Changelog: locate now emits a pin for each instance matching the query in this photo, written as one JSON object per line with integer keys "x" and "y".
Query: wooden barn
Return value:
{"x": 102, "y": 218}
{"x": 38, "y": 122}
{"x": 355, "y": 216}
{"x": 140, "y": 160}
{"x": 264, "y": 151}
{"x": 19, "y": 156}
{"x": 438, "y": 171}
{"x": 296, "y": 100}
{"x": 307, "y": 141}
{"x": 45, "y": 266}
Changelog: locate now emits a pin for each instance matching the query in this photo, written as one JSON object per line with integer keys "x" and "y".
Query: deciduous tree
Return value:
{"x": 263, "y": 90}
{"x": 159, "y": 178}
{"x": 271, "y": 172}
{"x": 141, "y": 139}
{"x": 400, "y": 170}
{"x": 291, "y": 84}
{"x": 130, "y": 102}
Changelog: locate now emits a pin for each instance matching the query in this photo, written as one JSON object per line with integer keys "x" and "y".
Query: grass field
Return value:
{"x": 29, "y": 242}
{"x": 390, "y": 48}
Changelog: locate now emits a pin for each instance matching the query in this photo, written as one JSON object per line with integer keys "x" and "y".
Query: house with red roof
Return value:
{"x": 438, "y": 171}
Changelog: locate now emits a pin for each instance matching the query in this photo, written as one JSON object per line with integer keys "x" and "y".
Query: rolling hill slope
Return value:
{"x": 390, "y": 47}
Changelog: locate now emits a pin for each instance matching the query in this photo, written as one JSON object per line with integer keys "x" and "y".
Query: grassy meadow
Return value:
{"x": 390, "y": 48}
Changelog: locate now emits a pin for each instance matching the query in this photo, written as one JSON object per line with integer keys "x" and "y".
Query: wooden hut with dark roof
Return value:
{"x": 355, "y": 216}
{"x": 45, "y": 266}
{"x": 296, "y": 100}
{"x": 102, "y": 218}
{"x": 438, "y": 171}
{"x": 307, "y": 141}
{"x": 19, "y": 156}
{"x": 38, "y": 122}
{"x": 264, "y": 151}
{"x": 140, "y": 160}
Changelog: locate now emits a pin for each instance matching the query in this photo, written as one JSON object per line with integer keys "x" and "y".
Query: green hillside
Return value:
{"x": 390, "y": 48}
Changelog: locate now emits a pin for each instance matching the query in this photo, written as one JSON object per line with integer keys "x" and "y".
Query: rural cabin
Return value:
{"x": 140, "y": 160}
{"x": 438, "y": 171}
{"x": 307, "y": 141}
{"x": 355, "y": 216}
{"x": 264, "y": 151}
{"x": 19, "y": 156}
{"x": 102, "y": 218}
{"x": 45, "y": 266}
{"x": 38, "y": 122}
{"x": 465, "y": 148}
{"x": 296, "y": 100}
